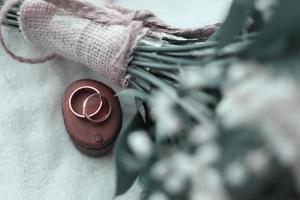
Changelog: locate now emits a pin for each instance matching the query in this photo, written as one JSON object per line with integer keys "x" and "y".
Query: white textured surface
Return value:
{"x": 37, "y": 159}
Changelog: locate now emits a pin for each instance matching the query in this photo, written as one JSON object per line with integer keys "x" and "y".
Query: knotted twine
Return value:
{"x": 103, "y": 38}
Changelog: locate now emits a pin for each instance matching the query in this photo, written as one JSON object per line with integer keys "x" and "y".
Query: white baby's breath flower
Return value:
{"x": 168, "y": 124}
{"x": 180, "y": 168}
{"x": 141, "y": 144}
{"x": 239, "y": 71}
{"x": 162, "y": 110}
{"x": 256, "y": 98}
{"x": 160, "y": 170}
{"x": 208, "y": 76}
{"x": 158, "y": 196}
{"x": 160, "y": 104}
{"x": 183, "y": 164}
{"x": 270, "y": 102}
{"x": 235, "y": 174}
{"x": 202, "y": 195}
{"x": 208, "y": 183}
{"x": 288, "y": 153}
{"x": 207, "y": 154}
{"x": 213, "y": 178}
{"x": 284, "y": 146}
{"x": 192, "y": 77}
{"x": 202, "y": 133}
{"x": 174, "y": 184}
{"x": 258, "y": 161}
{"x": 240, "y": 103}
{"x": 265, "y": 7}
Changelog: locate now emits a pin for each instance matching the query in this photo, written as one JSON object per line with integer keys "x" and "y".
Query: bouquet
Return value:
{"x": 217, "y": 109}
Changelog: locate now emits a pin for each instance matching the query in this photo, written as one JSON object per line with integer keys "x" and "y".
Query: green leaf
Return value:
{"x": 280, "y": 35}
{"x": 125, "y": 176}
{"x": 235, "y": 22}
{"x": 196, "y": 112}
{"x": 133, "y": 93}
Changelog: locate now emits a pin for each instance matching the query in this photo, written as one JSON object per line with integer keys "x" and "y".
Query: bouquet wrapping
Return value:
{"x": 101, "y": 38}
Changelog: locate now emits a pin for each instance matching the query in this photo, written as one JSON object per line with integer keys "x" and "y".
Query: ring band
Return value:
{"x": 89, "y": 117}
{"x": 84, "y": 109}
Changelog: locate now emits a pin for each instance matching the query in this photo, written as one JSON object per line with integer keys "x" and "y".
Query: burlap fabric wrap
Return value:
{"x": 93, "y": 44}
{"x": 102, "y": 38}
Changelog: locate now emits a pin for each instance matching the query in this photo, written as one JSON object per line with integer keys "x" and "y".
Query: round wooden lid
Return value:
{"x": 90, "y": 137}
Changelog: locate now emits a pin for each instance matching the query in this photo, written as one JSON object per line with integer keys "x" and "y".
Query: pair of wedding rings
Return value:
{"x": 85, "y": 115}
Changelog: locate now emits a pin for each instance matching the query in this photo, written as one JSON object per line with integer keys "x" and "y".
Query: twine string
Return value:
{"x": 6, "y": 7}
{"x": 113, "y": 14}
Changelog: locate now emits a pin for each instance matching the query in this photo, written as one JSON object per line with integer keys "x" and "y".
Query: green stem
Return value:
{"x": 166, "y": 58}
{"x": 190, "y": 47}
{"x": 195, "y": 110}
{"x": 153, "y": 65}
